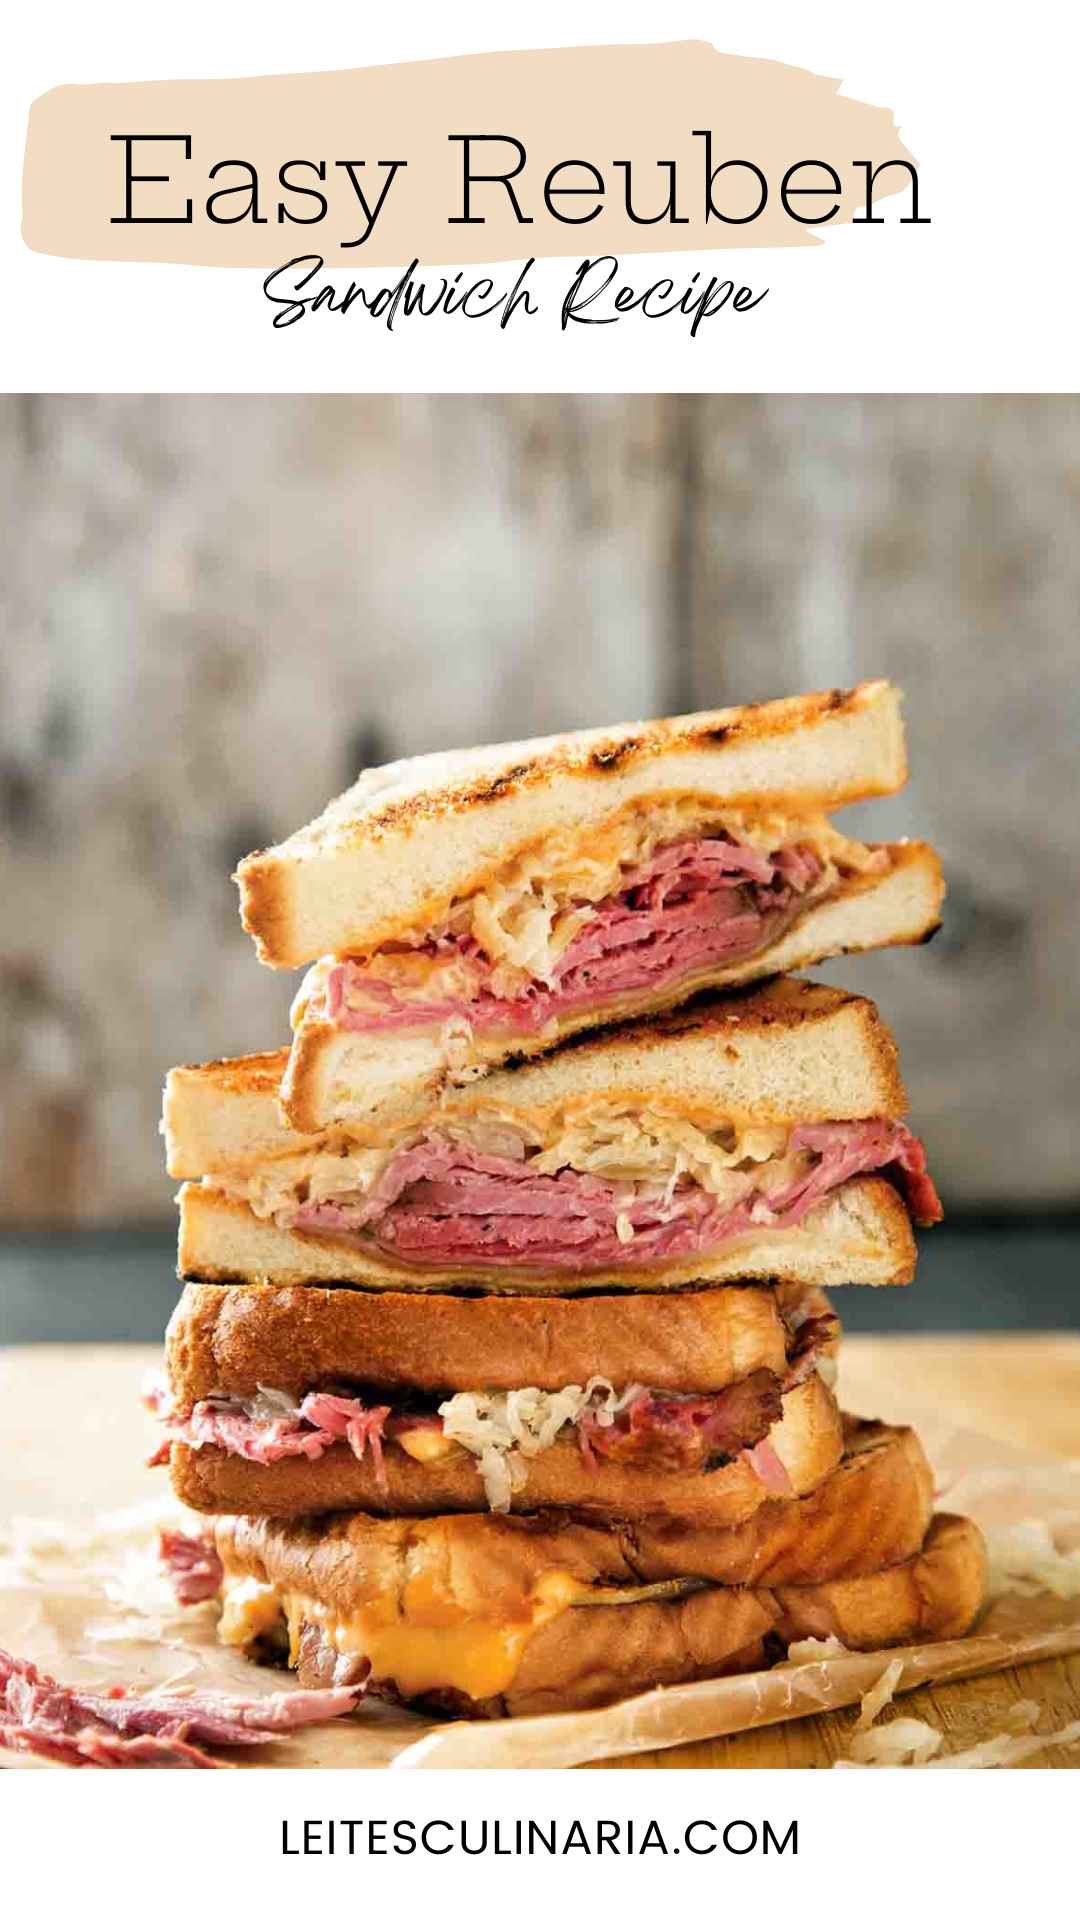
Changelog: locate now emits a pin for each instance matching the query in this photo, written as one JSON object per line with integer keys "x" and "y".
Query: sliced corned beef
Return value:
{"x": 694, "y": 904}
{"x": 684, "y": 1431}
{"x": 442, "y": 1203}
{"x": 317, "y": 1423}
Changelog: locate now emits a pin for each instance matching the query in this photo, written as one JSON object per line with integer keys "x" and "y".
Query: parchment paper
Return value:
{"x": 86, "y": 1601}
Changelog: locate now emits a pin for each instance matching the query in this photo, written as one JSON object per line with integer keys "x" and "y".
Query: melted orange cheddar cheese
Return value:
{"x": 432, "y": 1644}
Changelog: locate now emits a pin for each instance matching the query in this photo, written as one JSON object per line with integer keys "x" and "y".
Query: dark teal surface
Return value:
{"x": 981, "y": 1275}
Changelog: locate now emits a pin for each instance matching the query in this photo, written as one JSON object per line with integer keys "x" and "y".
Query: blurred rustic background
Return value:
{"x": 217, "y": 609}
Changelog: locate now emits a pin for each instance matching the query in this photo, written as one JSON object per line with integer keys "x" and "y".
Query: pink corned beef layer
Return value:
{"x": 694, "y": 904}
{"x": 440, "y": 1203}
{"x": 321, "y": 1420}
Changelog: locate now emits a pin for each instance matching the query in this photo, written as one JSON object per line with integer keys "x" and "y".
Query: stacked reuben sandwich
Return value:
{"x": 503, "y": 1363}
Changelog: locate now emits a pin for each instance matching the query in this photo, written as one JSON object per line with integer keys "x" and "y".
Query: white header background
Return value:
{"x": 983, "y": 299}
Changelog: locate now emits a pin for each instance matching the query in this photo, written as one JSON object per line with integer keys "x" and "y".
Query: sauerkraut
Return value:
{"x": 1026, "y": 1554}
{"x": 504, "y": 1430}
{"x": 912, "y": 1740}
{"x": 644, "y": 1151}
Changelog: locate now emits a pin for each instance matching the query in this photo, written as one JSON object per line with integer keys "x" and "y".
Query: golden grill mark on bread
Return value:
{"x": 603, "y": 751}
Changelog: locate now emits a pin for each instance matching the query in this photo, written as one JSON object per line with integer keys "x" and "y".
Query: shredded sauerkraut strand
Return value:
{"x": 505, "y": 1430}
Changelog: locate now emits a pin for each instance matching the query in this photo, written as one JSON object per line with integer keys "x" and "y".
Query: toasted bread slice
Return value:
{"x": 395, "y": 849}
{"x": 788, "y": 1051}
{"x": 484, "y": 1617}
{"x": 933, "y": 1596}
{"x": 234, "y": 1340}
{"x": 226, "y": 1114}
{"x": 870, "y": 1513}
{"x": 807, "y": 1439}
{"x": 859, "y": 1234}
{"x": 388, "y": 1076}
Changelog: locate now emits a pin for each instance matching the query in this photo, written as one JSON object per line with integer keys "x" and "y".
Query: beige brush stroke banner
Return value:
{"x": 602, "y": 104}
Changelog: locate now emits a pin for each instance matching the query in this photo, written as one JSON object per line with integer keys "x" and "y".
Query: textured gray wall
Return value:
{"x": 935, "y": 539}
{"x": 215, "y": 609}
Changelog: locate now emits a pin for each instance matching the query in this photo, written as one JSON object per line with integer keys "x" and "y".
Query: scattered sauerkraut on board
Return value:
{"x": 904, "y": 1741}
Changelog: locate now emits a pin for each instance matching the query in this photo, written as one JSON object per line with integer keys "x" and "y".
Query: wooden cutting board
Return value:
{"x": 1020, "y": 1389}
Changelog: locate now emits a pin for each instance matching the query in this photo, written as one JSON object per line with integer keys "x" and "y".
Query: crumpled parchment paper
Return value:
{"x": 84, "y": 1598}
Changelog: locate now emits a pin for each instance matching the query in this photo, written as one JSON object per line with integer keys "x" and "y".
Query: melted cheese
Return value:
{"x": 476, "y": 1658}
{"x": 425, "y": 1444}
{"x": 433, "y": 1644}
{"x": 249, "y": 1610}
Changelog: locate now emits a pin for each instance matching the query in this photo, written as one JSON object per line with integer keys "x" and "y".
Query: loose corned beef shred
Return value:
{"x": 79, "y": 1728}
{"x": 344, "y": 1419}
{"x": 212, "y": 1425}
{"x": 694, "y": 904}
{"x": 96, "y": 1747}
{"x": 441, "y": 1202}
{"x": 319, "y": 1422}
{"x": 192, "y": 1564}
